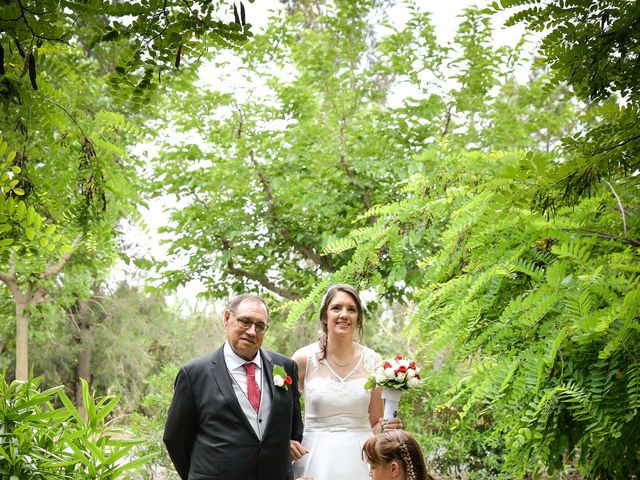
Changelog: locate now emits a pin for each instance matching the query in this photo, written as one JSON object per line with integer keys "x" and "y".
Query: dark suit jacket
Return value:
{"x": 209, "y": 437}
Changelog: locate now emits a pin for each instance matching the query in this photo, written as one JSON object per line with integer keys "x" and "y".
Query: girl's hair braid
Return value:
{"x": 399, "y": 446}
{"x": 404, "y": 452}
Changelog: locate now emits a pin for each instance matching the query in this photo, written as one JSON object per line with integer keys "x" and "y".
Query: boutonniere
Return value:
{"x": 280, "y": 377}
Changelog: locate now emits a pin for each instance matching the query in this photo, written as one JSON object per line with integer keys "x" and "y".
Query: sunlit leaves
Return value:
{"x": 593, "y": 47}
{"x": 147, "y": 39}
{"x": 19, "y": 221}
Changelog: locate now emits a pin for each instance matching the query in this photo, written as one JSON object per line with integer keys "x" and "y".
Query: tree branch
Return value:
{"x": 608, "y": 148}
{"x": 70, "y": 116}
{"x": 366, "y": 199}
{"x": 608, "y": 236}
{"x": 11, "y": 282}
{"x": 445, "y": 130}
{"x": 261, "y": 278}
{"x": 55, "y": 268}
{"x": 305, "y": 250}
{"x": 624, "y": 218}
{"x": 39, "y": 296}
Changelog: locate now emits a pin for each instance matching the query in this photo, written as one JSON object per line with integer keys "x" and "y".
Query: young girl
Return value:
{"x": 395, "y": 455}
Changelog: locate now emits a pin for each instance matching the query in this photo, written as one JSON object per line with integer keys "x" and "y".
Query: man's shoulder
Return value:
{"x": 202, "y": 361}
{"x": 277, "y": 357}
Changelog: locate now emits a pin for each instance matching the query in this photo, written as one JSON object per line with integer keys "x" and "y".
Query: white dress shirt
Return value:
{"x": 239, "y": 381}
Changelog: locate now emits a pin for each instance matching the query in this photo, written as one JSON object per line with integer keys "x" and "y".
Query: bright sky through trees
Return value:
{"x": 445, "y": 17}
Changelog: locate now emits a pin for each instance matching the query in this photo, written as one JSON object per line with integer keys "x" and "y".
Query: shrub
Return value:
{"x": 44, "y": 436}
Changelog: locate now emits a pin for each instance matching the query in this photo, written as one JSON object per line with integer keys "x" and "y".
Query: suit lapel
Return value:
{"x": 222, "y": 378}
{"x": 267, "y": 363}
{"x": 277, "y": 394}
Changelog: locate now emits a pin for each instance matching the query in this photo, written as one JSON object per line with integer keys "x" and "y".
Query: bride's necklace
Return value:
{"x": 343, "y": 364}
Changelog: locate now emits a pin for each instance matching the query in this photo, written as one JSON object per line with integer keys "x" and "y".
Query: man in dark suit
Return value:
{"x": 232, "y": 416}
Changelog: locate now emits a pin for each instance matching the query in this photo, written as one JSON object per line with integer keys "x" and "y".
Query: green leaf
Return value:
{"x": 21, "y": 210}
{"x": 133, "y": 465}
{"x": 73, "y": 411}
{"x": 31, "y": 215}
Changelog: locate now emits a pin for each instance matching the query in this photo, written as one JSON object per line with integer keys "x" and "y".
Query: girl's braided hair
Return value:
{"x": 400, "y": 446}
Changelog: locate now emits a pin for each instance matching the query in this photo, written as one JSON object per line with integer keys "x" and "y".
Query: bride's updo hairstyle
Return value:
{"x": 324, "y": 306}
{"x": 400, "y": 446}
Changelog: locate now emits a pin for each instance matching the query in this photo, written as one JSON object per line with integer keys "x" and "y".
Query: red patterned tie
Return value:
{"x": 252, "y": 387}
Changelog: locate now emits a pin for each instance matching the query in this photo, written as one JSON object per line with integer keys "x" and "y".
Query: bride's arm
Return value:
{"x": 301, "y": 359}
{"x": 375, "y": 409}
{"x": 297, "y": 449}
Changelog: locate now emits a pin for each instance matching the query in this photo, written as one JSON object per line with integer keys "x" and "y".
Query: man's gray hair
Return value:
{"x": 247, "y": 297}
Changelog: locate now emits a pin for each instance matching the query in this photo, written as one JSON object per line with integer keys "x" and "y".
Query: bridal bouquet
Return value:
{"x": 394, "y": 375}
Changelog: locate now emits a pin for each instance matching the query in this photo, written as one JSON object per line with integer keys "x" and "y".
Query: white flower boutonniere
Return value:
{"x": 280, "y": 377}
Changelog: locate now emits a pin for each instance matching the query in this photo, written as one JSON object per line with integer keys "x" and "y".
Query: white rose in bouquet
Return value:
{"x": 413, "y": 382}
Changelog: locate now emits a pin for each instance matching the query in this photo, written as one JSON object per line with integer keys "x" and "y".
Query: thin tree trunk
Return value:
{"x": 22, "y": 340}
{"x": 26, "y": 299}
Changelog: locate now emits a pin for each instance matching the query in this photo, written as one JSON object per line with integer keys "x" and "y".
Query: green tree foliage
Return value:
{"x": 540, "y": 314}
{"x": 266, "y": 177}
{"x": 70, "y": 74}
{"x": 593, "y": 47}
{"x": 151, "y": 38}
{"x": 148, "y": 421}
{"x": 544, "y": 313}
{"x": 18, "y": 219}
{"x": 129, "y": 336}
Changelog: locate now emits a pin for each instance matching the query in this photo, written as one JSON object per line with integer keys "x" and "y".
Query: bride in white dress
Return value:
{"x": 339, "y": 413}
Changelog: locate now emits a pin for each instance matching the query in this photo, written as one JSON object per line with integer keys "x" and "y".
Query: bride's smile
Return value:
{"x": 342, "y": 314}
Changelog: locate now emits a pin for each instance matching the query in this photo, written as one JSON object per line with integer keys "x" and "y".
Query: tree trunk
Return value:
{"x": 22, "y": 340}
{"x": 28, "y": 298}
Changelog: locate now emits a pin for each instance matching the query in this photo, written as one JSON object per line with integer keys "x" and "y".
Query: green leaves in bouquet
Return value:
{"x": 45, "y": 436}
{"x": 370, "y": 384}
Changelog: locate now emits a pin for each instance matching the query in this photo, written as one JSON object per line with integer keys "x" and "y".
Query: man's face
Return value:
{"x": 245, "y": 342}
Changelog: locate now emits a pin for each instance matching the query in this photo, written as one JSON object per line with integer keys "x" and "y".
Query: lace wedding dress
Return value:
{"x": 336, "y": 420}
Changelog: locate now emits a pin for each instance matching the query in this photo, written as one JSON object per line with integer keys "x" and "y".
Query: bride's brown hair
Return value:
{"x": 400, "y": 446}
{"x": 324, "y": 306}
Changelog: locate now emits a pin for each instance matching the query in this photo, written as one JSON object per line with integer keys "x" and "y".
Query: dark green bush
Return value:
{"x": 44, "y": 436}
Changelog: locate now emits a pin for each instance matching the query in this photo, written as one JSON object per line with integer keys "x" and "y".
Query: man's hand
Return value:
{"x": 297, "y": 450}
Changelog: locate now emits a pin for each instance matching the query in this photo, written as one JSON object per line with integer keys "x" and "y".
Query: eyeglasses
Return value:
{"x": 246, "y": 323}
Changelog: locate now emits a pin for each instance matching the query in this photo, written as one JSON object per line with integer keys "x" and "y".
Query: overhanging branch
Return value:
{"x": 263, "y": 280}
